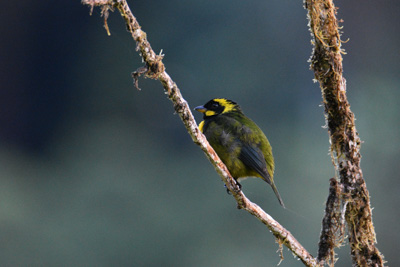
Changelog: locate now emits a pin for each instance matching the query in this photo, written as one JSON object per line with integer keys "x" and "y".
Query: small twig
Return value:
{"x": 332, "y": 231}
{"x": 105, "y": 14}
{"x": 280, "y": 251}
{"x": 155, "y": 69}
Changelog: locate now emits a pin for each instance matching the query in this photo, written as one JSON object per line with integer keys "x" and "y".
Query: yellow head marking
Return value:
{"x": 210, "y": 113}
{"x": 227, "y": 104}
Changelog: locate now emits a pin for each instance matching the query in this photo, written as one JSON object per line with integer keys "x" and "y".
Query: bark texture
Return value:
{"x": 326, "y": 62}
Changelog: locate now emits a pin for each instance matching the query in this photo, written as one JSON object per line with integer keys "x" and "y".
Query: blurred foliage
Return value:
{"x": 95, "y": 173}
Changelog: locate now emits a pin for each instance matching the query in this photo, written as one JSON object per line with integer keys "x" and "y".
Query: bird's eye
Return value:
{"x": 214, "y": 105}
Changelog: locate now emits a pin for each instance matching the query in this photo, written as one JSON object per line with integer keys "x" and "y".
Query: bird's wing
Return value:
{"x": 254, "y": 159}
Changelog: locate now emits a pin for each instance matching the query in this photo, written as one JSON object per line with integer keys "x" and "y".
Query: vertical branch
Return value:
{"x": 326, "y": 61}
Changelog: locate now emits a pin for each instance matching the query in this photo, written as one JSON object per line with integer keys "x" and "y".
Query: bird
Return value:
{"x": 239, "y": 142}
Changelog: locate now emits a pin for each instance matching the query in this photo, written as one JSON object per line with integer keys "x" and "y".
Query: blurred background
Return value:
{"x": 96, "y": 173}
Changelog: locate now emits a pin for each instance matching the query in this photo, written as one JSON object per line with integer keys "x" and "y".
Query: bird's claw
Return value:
{"x": 229, "y": 192}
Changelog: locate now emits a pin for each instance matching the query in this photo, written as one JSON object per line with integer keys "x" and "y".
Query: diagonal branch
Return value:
{"x": 154, "y": 68}
{"x": 326, "y": 61}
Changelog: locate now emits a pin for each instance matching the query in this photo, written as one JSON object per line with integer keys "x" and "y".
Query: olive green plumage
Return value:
{"x": 238, "y": 141}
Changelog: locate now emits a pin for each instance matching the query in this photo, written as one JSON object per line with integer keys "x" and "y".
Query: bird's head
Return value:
{"x": 218, "y": 106}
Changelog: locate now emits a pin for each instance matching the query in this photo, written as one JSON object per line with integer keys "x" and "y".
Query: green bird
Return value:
{"x": 238, "y": 141}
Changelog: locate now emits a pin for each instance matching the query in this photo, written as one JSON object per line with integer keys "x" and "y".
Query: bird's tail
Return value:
{"x": 277, "y": 195}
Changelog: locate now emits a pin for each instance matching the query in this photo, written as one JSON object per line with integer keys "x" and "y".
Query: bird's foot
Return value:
{"x": 239, "y": 185}
{"x": 229, "y": 192}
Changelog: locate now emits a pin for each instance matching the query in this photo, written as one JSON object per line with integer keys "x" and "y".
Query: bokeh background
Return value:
{"x": 96, "y": 173}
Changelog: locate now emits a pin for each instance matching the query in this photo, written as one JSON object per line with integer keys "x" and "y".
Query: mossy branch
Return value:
{"x": 326, "y": 62}
{"x": 154, "y": 68}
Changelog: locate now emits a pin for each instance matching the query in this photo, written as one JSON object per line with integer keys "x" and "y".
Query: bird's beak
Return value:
{"x": 200, "y": 109}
